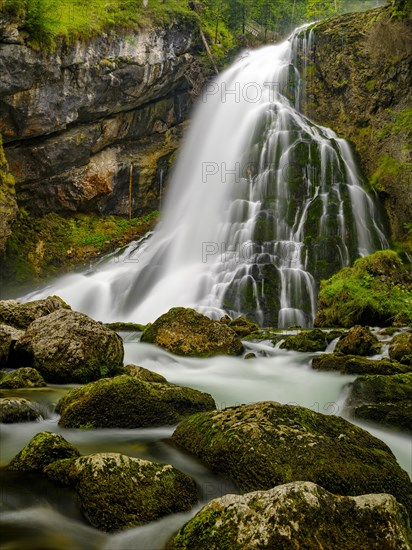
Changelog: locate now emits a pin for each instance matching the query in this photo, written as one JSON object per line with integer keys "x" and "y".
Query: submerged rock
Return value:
{"x": 297, "y": 515}
{"x": 21, "y": 315}
{"x": 43, "y": 449}
{"x": 400, "y": 348}
{"x": 383, "y": 399}
{"x": 8, "y": 338}
{"x": 117, "y": 491}
{"x": 69, "y": 347}
{"x": 184, "y": 331}
{"x": 358, "y": 341}
{"x": 17, "y": 409}
{"x": 308, "y": 340}
{"x": 355, "y": 364}
{"x": 267, "y": 444}
{"x": 22, "y": 378}
{"x": 130, "y": 402}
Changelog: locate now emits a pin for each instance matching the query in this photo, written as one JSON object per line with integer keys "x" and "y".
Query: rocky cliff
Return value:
{"x": 358, "y": 81}
{"x": 81, "y": 122}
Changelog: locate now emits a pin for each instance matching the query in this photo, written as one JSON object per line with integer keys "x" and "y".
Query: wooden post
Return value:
{"x": 130, "y": 189}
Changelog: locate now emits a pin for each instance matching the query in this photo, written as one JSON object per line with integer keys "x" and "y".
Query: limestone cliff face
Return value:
{"x": 78, "y": 121}
{"x": 358, "y": 81}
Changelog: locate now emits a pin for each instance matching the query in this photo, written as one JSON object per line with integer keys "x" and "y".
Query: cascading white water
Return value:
{"x": 262, "y": 204}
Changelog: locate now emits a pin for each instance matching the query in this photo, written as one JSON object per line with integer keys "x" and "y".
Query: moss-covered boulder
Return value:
{"x": 307, "y": 340}
{"x": 117, "y": 491}
{"x": 184, "y": 331}
{"x": 354, "y": 364}
{"x": 267, "y": 444}
{"x": 8, "y": 338}
{"x": 376, "y": 291}
{"x": 69, "y": 347}
{"x": 19, "y": 315}
{"x": 358, "y": 341}
{"x": 43, "y": 449}
{"x": 242, "y": 326}
{"x": 130, "y": 402}
{"x": 400, "y": 348}
{"x": 143, "y": 374}
{"x": 383, "y": 399}
{"x": 296, "y": 515}
{"x": 22, "y": 378}
{"x": 17, "y": 409}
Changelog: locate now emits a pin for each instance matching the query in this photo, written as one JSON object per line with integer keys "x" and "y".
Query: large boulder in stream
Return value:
{"x": 267, "y": 444}
{"x": 43, "y": 449}
{"x": 358, "y": 341}
{"x": 355, "y": 364}
{"x": 400, "y": 348}
{"x": 117, "y": 491}
{"x": 19, "y": 315}
{"x": 17, "y": 409}
{"x": 297, "y": 515}
{"x": 69, "y": 347}
{"x": 130, "y": 402}
{"x": 383, "y": 399}
{"x": 184, "y": 331}
{"x": 308, "y": 340}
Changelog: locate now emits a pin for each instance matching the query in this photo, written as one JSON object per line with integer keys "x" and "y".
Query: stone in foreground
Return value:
{"x": 129, "y": 402}
{"x": 383, "y": 399}
{"x": 358, "y": 341}
{"x": 184, "y": 331}
{"x": 17, "y": 409}
{"x": 117, "y": 491}
{"x": 43, "y": 449}
{"x": 21, "y": 315}
{"x": 8, "y": 338}
{"x": 69, "y": 347}
{"x": 267, "y": 444}
{"x": 297, "y": 515}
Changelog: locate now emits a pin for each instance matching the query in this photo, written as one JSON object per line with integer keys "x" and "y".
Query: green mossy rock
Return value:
{"x": 376, "y": 291}
{"x": 129, "y": 402}
{"x": 22, "y": 378}
{"x": 143, "y": 374}
{"x": 383, "y": 399}
{"x": 267, "y": 444}
{"x": 125, "y": 327}
{"x": 241, "y": 325}
{"x": 69, "y": 347}
{"x": 20, "y": 315}
{"x": 17, "y": 409}
{"x": 117, "y": 491}
{"x": 8, "y": 338}
{"x": 184, "y": 331}
{"x": 297, "y": 515}
{"x": 358, "y": 341}
{"x": 400, "y": 348}
{"x": 353, "y": 364}
{"x": 43, "y": 449}
{"x": 308, "y": 340}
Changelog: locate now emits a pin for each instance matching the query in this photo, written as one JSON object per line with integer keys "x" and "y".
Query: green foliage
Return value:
{"x": 320, "y": 9}
{"x": 377, "y": 290}
{"x": 42, "y": 247}
{"x": 387, "y": 166}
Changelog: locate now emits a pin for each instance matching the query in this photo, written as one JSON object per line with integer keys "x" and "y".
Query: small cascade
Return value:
{"x": 262, "y": 204}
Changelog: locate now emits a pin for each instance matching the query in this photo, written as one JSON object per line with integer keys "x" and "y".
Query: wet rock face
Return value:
{"x": 69, "y": 347}
{"x": 299, "y": 514}
{"x": 17, "y": 409}
{"x": 383, "y": 399}
{"x": 358, "y": 79}
{"x": 400, "y": 348}
{"x": 267, "y": 444}
{"x": 117, "y": 491}
{"x": 184, "y": 331}
{"x": 75, "y": 119}
{"x": 140, "y": 400}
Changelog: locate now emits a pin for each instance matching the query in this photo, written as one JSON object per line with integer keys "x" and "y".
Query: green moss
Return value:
{"x": 387, "y": 166}
{"x": 353, "y": 364}
{"x": 40, "y": 248}
{"x": 22, "y": 378}
{"x": 308, "y": 341}
{"x": 377, "y": 290}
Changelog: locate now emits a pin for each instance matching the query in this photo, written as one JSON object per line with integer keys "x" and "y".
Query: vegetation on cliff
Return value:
{"x": 8, "y": 206}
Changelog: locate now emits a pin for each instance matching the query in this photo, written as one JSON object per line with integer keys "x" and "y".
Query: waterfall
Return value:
{"x": 262, "y": 204}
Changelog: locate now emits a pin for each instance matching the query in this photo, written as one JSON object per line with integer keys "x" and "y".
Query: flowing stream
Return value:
{"x": 261, "y": 205}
